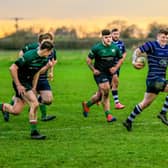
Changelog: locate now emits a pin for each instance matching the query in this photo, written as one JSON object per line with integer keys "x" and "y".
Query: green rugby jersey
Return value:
{"x": 104, "y": 56}
{"x": 29, "y": 64}
{"x": 30, "y": 46}
{"x": 50, "y": 57}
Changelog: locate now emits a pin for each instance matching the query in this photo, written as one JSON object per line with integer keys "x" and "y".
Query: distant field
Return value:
{"x": 77, "y": 142}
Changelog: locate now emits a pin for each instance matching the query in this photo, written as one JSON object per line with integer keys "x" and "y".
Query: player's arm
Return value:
{"x": 23, "y": 50}
{"x": 124, "y": 53}
{"x": 124, "y": 56}
{"x": 89, "y": 61}
{"x": 137, "y": 53}
{"x": 121, "y": 60}
{"x": 35, "y": 81}
{"x": 91, "y": 66}
{"x": 14, "y": 74}
{"x": 21, "y": 53}
{"x": 116, "y": 67}
{"x": 51, "y": 70}
{"x": 41, "y": 71}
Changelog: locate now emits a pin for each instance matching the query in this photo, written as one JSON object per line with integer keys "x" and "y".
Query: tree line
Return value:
{"x": 68, "y": 38}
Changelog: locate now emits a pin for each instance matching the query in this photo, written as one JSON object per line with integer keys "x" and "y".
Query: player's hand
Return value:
{"x": 54, "y": 62}
{"x": 112, "y": 70}
{"x": 21, "y": 90}
{"x": 96, "y": 72}
{"x": 50, "y": 64}
{"x": 138, "y": 65}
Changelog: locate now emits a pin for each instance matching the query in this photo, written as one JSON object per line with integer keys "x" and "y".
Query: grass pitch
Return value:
{"x": 78, "y": 142}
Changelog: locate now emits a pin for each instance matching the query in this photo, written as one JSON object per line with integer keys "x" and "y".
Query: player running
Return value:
{"x": 22, "y": 73}
{"x": 115, "y": 80}
{"x": 43, "y": 87}
{"x": 157, "y": 56}
{"x": 103, "y": 54}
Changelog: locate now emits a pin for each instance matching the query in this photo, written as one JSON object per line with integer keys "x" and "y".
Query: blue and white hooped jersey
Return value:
{"x": 120, "y": 44}
{"x": 157, "y": 57}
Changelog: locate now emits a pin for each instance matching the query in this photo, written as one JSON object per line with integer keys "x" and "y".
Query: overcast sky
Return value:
{"x": 75, "y": 9}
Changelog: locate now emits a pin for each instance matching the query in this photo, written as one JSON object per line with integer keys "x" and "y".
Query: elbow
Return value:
{"x": 88, "y": 61}
{"x": 13, "y": 67}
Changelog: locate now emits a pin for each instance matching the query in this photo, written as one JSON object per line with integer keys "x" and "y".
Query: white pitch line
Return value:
{"x": 76, "y": 128}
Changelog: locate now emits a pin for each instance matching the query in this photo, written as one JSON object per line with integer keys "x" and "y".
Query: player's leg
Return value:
{"x": 5, "y": 113}
{"x": 87, "y": 104}
{"x": 14, "y": 109}
{"x": 18, "y": 103}
{"x": 105, "y": 89}
{"x": 96, "y": 97}
{"x": 147, "y": 100}
{"x": 32, "y": 101}
{"x": 115, "y": 83}
{"x": 162, "y": 114}
{"x": 46, "y": 99}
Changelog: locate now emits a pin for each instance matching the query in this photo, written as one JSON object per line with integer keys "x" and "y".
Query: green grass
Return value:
{"x": 74, "y": 141}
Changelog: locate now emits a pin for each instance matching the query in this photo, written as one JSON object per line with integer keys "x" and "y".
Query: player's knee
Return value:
{"x": 47, "y": 101}
{"x": 35, "y": 105}
{"x": 99, "y": 95}
{"x": 106, "y": 92}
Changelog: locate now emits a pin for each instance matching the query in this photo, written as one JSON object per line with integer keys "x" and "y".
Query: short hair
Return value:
{"x": 47, "y": 45}
{"x": 163, "y": 31}
{"x": 45, "y": 36}
{"x": 114, "y": 30}
{"x": 105, "y": 32}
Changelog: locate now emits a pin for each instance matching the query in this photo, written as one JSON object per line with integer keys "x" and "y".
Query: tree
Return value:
{"x": 119, "y": 24}
{"x": 132, "y": 31}
{"x": 66, "y": 33}
{"x": 153, "y": 29}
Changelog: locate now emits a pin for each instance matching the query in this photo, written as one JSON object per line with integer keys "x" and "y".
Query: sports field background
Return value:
{"x": 74, "y": 141}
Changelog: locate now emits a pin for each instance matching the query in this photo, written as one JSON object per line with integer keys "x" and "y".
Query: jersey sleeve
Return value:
{"x": 119, "y": 53}
{"x": 21, "y": 61}
{"x": 29, "y": 47}
{"x": 146, "y": 47}
{"x": 123, "y": 48}
{"x": 92, "y": 53}
{"x": 54, "y": 54}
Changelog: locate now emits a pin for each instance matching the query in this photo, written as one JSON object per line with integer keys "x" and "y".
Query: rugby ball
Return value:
{"x": 141, "y": 60}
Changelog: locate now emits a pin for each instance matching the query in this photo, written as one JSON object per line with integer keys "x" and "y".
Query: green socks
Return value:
{"x": 43, "y": 110}
{"x": 107, "y": 113}
{"x": 1, "y": 105}
{"x": 89, "y": 103}
{"x": 33, "y": 126}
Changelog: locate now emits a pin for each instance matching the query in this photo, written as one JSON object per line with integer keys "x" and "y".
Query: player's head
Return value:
{"x": 115, "y": 34}
{"x": 45, "y": 36}
{"x": 46, "y": 48}
{"x": 162, "y": 37}
{"x": 106, "y": 37}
